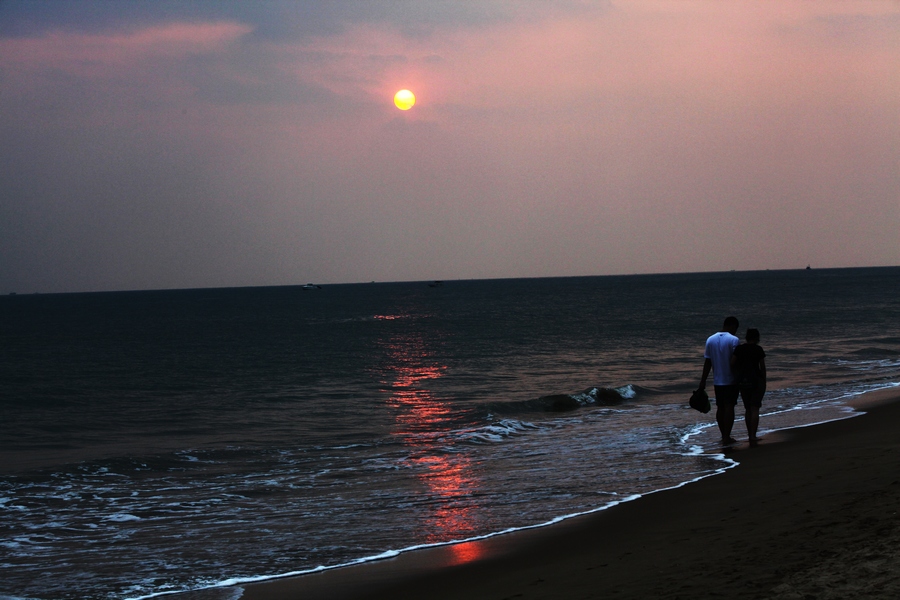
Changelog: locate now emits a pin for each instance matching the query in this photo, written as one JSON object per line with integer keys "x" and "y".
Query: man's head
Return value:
{"x": 730, "y": 325}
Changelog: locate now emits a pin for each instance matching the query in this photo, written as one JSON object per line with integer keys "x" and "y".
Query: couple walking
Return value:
{"x": 738, "y": 370}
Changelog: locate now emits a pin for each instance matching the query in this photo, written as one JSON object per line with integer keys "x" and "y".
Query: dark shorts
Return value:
{"x": 753, "y": 397}
{"x": 726, "y": 395}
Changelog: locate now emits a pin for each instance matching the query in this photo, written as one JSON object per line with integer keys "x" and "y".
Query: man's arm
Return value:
{"x": 707, "y": 367}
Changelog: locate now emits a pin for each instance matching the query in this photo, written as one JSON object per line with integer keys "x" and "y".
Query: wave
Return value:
{"x": 495, "y": 432}
{"x": 505, "y": 428}
{"x": 592, "y": 396}
{"x": 872, "y": 351}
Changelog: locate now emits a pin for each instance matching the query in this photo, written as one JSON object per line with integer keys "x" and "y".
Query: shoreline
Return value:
{"x": 666, "y": 543}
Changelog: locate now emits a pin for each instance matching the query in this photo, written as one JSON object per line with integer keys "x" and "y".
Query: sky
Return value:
{"x": 157, "y": 144}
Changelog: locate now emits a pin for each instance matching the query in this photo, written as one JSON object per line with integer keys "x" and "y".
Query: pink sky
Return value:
{"x": 635, "y": 137}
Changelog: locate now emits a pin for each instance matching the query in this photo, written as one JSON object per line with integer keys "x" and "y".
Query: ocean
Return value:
{"x": 164, "y": 441}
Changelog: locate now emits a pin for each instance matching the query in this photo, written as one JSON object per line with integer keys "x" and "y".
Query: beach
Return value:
{"x": 808, "y": 513}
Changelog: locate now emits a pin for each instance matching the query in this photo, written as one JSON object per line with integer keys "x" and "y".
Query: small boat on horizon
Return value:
{"x": 311, "y": 286}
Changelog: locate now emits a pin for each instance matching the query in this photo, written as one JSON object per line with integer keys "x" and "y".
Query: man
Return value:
{"x": 719, "y": 348}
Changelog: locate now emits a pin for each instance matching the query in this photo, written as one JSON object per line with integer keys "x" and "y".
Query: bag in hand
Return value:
{"x": 700, "y": 401}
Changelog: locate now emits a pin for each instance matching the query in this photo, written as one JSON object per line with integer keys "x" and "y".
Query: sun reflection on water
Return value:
{"x": 421, "y": 419}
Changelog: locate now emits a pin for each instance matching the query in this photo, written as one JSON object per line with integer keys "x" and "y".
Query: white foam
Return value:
{"x": 122, "y": 518}
{"x": 626, "y": 391}
{"x": 588, "y": 398}
{"x": 496, "y": 432}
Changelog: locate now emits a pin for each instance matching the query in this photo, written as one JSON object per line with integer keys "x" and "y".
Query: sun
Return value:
{"x": 404, "y": 99}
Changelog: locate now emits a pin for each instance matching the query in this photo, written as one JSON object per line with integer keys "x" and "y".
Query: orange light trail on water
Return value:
{"x": 421, "y": 418}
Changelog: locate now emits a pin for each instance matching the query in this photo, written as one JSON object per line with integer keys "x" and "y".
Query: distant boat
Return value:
{"x": 436, "y": 284}
{"x": 311, "y": 286}
{"x": 808, "y": 268}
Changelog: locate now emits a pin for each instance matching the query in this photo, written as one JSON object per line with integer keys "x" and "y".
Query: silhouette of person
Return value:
{"x": 749, "y": 366}
{"x": 717, "y": 354}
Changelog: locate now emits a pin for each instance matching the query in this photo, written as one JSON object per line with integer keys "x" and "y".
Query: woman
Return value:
{"x": 749, "y": 365}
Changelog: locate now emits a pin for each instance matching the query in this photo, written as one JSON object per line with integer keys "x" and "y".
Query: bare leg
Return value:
{"x": 752, "y": 413}
{"x": 725, "y": 419}
{"x": 752, "y": 419}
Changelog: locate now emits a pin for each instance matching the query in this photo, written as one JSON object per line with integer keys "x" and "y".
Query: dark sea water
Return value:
{"x": 173, "y": 440}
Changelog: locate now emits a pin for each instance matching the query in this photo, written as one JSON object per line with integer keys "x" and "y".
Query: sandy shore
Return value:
{"x": 809, "y": 513}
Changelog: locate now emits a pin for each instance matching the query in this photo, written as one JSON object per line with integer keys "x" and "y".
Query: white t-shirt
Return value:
{"x": 719, "y": 348}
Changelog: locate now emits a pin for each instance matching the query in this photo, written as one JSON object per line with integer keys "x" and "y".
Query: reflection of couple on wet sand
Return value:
{"x": 738, "y": 370}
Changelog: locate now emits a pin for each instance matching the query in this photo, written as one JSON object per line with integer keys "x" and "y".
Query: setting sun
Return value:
{"x": 404, "y": 99}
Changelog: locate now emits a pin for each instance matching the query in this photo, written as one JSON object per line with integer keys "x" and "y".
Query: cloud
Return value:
{"x": 96, "y": 54}
{"x": 280, "y": 21}
{"x": 62, "y": 76}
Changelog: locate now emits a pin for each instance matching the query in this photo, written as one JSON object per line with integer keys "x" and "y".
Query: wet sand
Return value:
{"x": 808, "y": 513}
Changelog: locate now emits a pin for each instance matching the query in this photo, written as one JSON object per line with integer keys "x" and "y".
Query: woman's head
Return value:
{"x": 752, "y": 335}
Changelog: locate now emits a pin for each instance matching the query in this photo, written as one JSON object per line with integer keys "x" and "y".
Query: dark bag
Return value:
{"x": 700, "y": 401}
